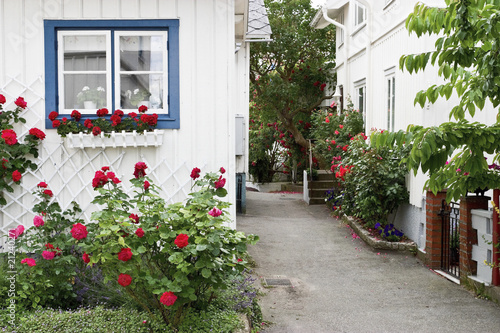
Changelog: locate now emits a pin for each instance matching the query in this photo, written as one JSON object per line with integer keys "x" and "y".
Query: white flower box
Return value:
{"x": 115, "y": 140}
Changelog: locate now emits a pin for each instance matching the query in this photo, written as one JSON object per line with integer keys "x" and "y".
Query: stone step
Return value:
{"x": 317, "y": 193}
{"x": 326, "y": 184}
{"x": 316, "y": 201}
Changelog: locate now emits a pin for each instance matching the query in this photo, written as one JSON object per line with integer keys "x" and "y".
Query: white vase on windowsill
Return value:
{"x": 115, "y": 140}
{"x": 89, "y": 105}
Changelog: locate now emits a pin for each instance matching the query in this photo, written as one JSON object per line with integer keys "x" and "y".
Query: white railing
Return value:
{"x": 305, "y": 188}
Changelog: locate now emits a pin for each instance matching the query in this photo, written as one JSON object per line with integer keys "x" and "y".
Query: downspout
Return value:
{"x": 346, "y": 46}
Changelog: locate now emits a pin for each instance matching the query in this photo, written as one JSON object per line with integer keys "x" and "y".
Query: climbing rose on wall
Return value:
{"x": 79, "y": 231}
{"x": 220, "y": 183}
{"x": 168, "y": 298}
{"x": 134, "y": 218}
{"x": 2, "y": 99}
{"x": 215, "y": 212}
{"x": 48, "y": 193}
{"x": 48, "y": 255}
{"x": 146, "y": 185}
{"x": 181, "y": 240}
{"x": 195, "y": 173}
{"x": 16, "y": 176}
{"x": 18, "y": 231}
{"x": 42, "y": 185}
{"x": 20, "y": 102}
{"x": 29, "y": 261}
{"x": 38, "y": 221}
{"x": 222, "y": 170}
{"x": 9, "y": 136}
{"x": 139, "y": 169}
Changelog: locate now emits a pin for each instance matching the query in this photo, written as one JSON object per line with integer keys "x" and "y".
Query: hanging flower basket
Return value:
{"x": 115, "y": 139}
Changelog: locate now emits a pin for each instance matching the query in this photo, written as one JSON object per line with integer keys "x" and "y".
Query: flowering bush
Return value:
{"x": 14, "y": 154}
{"x": 372, "y": 181}
{"x": 167, "y": 258}
{"x": 105, "y": 123}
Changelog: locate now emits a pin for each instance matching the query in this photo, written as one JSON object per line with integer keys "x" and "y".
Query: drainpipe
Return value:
{"x": 346, "y": 46}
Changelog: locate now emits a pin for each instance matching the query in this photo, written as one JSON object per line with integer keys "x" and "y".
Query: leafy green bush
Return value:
{"x": 372, "y": 180}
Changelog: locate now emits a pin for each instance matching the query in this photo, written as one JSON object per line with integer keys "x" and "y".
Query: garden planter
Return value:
{"x": 115, "y": 140}
{"x": 89, "y": 105}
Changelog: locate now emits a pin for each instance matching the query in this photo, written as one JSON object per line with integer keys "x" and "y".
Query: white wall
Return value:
{"x": 208, "y": 97}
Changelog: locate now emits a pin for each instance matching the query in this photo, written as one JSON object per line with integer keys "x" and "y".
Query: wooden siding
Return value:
{"x": 208, "y": 93}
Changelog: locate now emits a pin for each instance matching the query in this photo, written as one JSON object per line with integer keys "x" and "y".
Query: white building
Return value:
{"x": 371, "y": 38}
{"x": 192, "y": 56}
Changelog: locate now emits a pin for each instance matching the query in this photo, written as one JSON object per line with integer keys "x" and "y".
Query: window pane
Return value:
{"x": 360, "y": 15}
{"x": 137, "y": 90}
{"x": 141, "y": 53}
{"x": 80, "y": 88}
{"x": 84, "y": 53}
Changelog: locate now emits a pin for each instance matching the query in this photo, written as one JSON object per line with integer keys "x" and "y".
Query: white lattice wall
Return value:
{"x": 69, "y": 172}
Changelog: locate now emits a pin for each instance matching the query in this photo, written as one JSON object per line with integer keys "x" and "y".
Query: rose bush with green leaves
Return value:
{"x": 168, "y": 258}
{"x": 14, "y": 154}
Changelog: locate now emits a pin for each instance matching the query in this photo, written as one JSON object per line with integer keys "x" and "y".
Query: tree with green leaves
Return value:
{"x": 290, "y": 76}
{"x": 467, "y": 55}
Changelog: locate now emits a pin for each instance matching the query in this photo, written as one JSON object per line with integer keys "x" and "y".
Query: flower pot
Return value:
{"x": 89, "y": 105}
{"x": 115, "y": 140}
{"x": 145, "y": 103}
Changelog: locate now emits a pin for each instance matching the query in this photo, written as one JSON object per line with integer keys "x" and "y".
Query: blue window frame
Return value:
{"x": 113, "y": 31}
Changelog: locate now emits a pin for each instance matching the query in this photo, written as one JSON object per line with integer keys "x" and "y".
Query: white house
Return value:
{"x": 191, "y": 56}
{"x": 371, "y": 38}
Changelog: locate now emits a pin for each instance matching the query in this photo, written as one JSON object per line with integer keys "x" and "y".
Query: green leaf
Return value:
{"x": 206, "y": 273}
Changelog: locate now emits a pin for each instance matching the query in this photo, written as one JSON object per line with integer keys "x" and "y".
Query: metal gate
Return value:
{"x": 450, "y": 238}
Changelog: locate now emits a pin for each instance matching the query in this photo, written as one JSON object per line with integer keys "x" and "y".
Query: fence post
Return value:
{"x": 468, "y": 235}
{"x": 495, "y": 278}
{"x": 433, "y": 205}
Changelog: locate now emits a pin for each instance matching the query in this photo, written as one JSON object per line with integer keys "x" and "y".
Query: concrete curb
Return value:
{"x": 378, "y": 244}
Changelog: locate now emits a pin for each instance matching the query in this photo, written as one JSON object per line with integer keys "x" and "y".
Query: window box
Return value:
{"x": 115, "y": 140}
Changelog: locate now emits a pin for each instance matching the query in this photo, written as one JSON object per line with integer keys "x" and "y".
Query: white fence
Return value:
{"x": 482, "y": 252}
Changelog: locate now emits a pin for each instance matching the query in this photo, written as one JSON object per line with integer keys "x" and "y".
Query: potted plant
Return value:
{"x": 138, "y": 97}
{"x": 92, "y": 98}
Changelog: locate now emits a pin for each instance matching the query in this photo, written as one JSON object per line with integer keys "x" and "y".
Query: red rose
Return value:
{"x": 220, "y": 183}
{"x": 322, "y": 87}
{"x": 56, "y": 123}
{"x": 88, "y": 123}
{"x": 195, "y": 173}
{"x": 222, "y": 170}
{"x": 9, "y": 136}
{"x": 105, "y": 168}
{"x": 48, "y": 255}
{"x": 29, "y": 261}
{"x": 96, "y": 130}
{"x": 139, "y": 232}
{"x": 132, "y": 114}
{"x": 86, "y": 257}
{"x": 116, "y": 180}
{"x": 125, "y": 254}
{"x": 124, "y": 279}
{"x": 102, "y": 112}
{"x": 100, "y": 179}
{"x": 146, "y": 185}
{"x": 37, "y": 133}
{"x": 139, "y": 169}
{"x": 134, "y": 218}
{"x": 181, "y": 240}
{"x": 76, "y": 115}
{"x": 20, "y": 102}
{"x": 119, "y": 113}
{"x": 79, "y": 231}
{"x": 2, "y": 99}
{"x": 16, "y": 176}
{"x": 49, "y": 193}
{"x": 4, "y": 160}
{"x": 53, "y": 115}
{"x": 143, "y": 108}
{"x": 168, "y": 298}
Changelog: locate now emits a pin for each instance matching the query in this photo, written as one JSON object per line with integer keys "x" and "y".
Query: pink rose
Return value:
{"x": 79, "y": 231}
{"x": 29, "y": 261}
{"x": 215, "y": 212}
{"x": 220, "y": 183}
{"x": 222, "y": 170}
{"x": 38, "y": 221}
{"x": 18, "y": 231}
{"x": 48, "y": 255}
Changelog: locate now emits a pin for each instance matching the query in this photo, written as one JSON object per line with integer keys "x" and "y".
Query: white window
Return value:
{"x": 359, "y": 14}
{"x": 88, "y": 60}
{"x": 340, "y": 35}
{"x": 360, "y": 95}
{"x": 390, "y": 101}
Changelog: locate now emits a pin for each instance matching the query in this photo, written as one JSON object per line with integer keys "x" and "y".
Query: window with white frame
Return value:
{"x": 360, "y": 95}
{"x": 390, "y": 100}
{"x": 359, "y": 14}
{"x": 340, "y": 40}
{"x": 114, "y": 64}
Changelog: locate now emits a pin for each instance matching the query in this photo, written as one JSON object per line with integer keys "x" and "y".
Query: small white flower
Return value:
{"x": 85, "y": 88}
{"x": 136, "y": 91}
{"x": 128, "y": 94}
{"x": 100, "y": 89}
